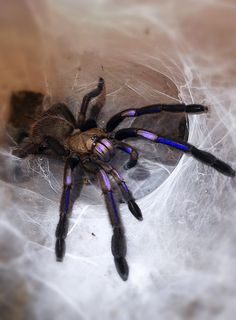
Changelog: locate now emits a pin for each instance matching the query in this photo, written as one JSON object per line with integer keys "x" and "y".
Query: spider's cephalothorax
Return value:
{"x": 93, "y": 141}
{"x": 82, "y": 144}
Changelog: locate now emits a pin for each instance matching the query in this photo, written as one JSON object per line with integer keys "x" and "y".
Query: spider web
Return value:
{"x": 182, "y": 256}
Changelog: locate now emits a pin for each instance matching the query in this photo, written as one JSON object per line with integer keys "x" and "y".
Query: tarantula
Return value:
{"x": 83, "y": 144}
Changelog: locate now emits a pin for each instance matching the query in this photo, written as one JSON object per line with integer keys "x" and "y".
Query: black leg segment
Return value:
{"x": 210, "y": 160}
{"x": 85, "y": 102}
{"x": 100, "y": 102}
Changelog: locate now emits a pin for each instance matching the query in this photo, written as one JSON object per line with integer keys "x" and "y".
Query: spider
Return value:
{"x": 89, "y": 148}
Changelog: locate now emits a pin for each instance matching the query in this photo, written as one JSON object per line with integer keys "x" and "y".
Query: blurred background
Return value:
{"x": 182, "y": 257}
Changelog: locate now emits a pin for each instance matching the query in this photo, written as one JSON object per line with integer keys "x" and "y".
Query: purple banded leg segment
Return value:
{"x": 108, "y": 144}
{"x": 135, "y": 133}
{"x": 104, "y": 149}
{"x": 153, "y": 137}
{"x": 118, "y": 243}
{"x": 101, "y": 151}
{"x": 65, "y": 208}
{"x": 127, "y": 195}
{"x": 129, "y": 113}
{"x": 177, "y": 145}
{"x": 147, "y": 135}
{"x": 152, "y": 109}
{"x": 203, "y": 156}
{"x": 109, "y": 198}
{"x": 131, "y": 151}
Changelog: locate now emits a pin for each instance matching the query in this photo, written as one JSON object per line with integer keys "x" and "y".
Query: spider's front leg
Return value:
{"x": 118, "y": 243}
{"x": 203, "y": 156}
{"x": 65, "y": 207}
{"x": 152, "y": 109}
{"x": 85, "y": 102}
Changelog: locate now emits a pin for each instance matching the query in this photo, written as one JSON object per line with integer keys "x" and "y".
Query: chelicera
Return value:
{"x": 82, "y": 144}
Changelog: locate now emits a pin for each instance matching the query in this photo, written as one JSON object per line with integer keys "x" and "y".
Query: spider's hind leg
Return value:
{"x": 27, "y": 149}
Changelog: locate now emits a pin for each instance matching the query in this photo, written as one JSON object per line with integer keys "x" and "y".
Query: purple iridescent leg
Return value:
{"x": 156, "y": 108}
{"x": 118, "y": 243}
{"x": 65, "y": 209}
{"x": 203, "y": 156}
{"x": 127, "y": 195}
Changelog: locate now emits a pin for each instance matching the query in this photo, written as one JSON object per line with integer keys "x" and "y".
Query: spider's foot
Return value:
{"x": 126, "y": 166}
{"x": 122, "y": 268}
{"x": 118, "y": 248}
{"x": 60, "y": 249}
{"x": 135, "y": 210}
{"x": 212, "y": 161}
{"x": 224, "y": 168}
{"x": 196, "y": 108}
{"x": 130, "y": 164}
